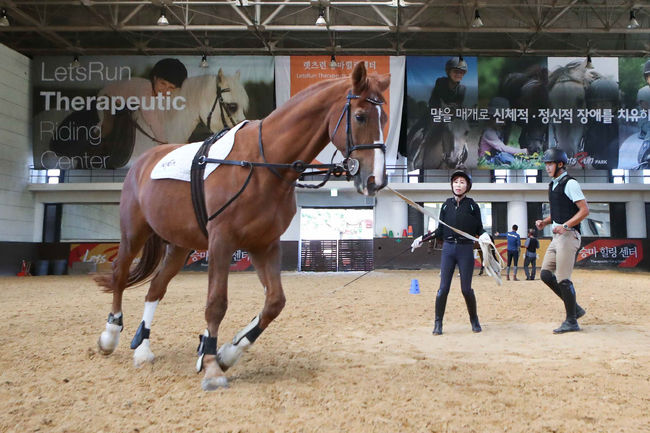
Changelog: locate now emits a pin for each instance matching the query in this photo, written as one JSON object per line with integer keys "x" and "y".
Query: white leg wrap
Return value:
{"x": 143, "y": 354}
{"x": 149, "y": 310}
{"x": 230, "y": 353}
{"x": 109, "y": 338}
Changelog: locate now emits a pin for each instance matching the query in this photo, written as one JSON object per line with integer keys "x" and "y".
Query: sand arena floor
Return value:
{"x": 360, "y": 359}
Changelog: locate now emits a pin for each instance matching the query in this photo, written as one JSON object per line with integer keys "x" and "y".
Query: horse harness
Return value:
{"x": 349, "y": 166}
{"x": 217, "y": 99}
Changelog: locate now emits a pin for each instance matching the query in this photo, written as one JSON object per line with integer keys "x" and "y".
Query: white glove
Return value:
{"x": 417, "y": 243}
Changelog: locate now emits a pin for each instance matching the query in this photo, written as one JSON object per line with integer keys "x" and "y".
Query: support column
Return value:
{"x": 518, "y": 214}
{"x": 636, "y": 220}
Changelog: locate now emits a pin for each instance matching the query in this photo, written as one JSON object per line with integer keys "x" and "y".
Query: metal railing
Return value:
{"x": 396, "y": 174}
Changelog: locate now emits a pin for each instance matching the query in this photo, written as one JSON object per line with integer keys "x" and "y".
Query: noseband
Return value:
{"x": 222, "y": 106}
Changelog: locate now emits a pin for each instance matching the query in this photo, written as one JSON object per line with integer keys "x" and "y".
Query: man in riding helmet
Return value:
{"x": 568, "y": 209}
{"x": 448, "y": 92}
{"x": 464, "y": 214}
{"x": 643, "y": 99}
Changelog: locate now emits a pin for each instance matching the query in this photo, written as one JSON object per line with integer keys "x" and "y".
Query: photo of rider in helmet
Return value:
{"x": 448, "y": 91}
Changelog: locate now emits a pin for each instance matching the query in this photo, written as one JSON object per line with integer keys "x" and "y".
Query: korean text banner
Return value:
{"x": 296, "y": 73}
{"x": 504, "y": 112}
{"x": 106, "y": 111}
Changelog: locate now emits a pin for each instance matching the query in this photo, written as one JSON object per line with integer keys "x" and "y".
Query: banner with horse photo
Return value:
{"x": 102, "y": 112}
{"x": 441, "y": 99}
{"x": 296, "y": 73}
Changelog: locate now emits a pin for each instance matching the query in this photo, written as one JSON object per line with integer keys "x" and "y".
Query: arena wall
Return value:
{"x": 16, "y": 202}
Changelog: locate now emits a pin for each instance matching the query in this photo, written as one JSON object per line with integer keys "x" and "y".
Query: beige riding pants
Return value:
{"x": 560, "y": 256}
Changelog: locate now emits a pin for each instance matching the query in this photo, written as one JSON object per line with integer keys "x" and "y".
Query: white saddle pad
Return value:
{"x": 178, "y": 163}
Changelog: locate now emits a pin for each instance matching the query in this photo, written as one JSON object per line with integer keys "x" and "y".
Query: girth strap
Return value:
{"x": 196, "y": 181}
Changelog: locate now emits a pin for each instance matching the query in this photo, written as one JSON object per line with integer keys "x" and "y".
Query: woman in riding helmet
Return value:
{"x": 464, "y": 214}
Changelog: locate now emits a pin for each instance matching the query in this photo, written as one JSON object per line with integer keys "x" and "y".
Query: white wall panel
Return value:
{"x": 17, "y": 209}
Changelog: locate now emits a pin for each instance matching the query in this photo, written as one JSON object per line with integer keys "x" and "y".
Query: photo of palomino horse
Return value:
{"x": 345, "y": 111}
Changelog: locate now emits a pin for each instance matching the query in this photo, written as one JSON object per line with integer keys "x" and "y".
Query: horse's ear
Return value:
{"x": 383, "y": 82}
{"x": 220, "y": 76}
{"x": 359, "y": 78}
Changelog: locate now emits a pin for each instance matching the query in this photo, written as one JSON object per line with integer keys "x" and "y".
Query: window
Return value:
{"x": 620, "y": 176}
{"x": 53, "y": 175}
{"x": 500, "y": 176}
{"x": 646, "y": 178}
{"x": 90, "y": 222}
{"x": 531, "y": 175}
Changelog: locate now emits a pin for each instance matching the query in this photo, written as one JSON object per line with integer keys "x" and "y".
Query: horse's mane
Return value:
{"x": 575, "y": 71}
{"x": 193, "y": 87}
{"x": 529, "y": 85}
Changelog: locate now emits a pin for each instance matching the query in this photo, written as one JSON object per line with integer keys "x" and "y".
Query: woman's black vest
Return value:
{"x": 562, "y": 208}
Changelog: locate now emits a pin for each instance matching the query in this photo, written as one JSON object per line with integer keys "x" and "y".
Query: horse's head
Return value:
{"x": 223, "y": 101}
{"x": 357, "y": 132}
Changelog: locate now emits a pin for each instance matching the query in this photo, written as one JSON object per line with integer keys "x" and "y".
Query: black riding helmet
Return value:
{"x": 555, "y": 155}
{"x": 456, "y": 63}
{"x": 461, "y": 173}
{"x": 172, "y": 70}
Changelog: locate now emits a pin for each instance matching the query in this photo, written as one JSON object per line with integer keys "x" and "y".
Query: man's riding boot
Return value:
{"x": 441, "y": 304}
{"x": 470, "y": 301}
{"x": 569, "y": 296}
{"x": 549, "y": 279}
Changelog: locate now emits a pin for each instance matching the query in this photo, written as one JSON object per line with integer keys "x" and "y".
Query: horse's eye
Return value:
{"x": 360, "y": 118}
{"x": 232, "y": 107}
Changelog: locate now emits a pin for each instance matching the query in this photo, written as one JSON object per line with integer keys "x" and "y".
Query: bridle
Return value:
{"x": 349, "y": 165}
{"x": 222, "y": 107}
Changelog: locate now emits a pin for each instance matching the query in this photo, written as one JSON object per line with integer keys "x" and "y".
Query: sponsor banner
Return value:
{"x": 622, "y": 253}
{"x": 198, "y": 261}
{"x": 296, "y": 73}
{"x": 596, "y": 111}
{"x": 93, "y": 252}
{"x": 108, "y": 110}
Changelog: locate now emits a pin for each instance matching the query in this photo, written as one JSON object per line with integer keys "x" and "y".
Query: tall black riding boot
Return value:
{"x": 549, "y": 279}
{"x": 441, "y": 304}
{"x": 470, "y": 301}
{"x": 569, "y": 296}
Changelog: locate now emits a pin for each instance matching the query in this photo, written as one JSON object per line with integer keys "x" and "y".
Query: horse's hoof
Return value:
{"x": 143, "y": 354}
{"x": 214, "y": 383}
{"x": 107, "y": 343}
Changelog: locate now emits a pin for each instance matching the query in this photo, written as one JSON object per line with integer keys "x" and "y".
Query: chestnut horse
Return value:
{"x": 157, "y": 214}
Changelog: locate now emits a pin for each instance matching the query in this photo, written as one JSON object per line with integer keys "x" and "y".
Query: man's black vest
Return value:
{"x": 562, "y": 208}
{"x": 533, "y": 244}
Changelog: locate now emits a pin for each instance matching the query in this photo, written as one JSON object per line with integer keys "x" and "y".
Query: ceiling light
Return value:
{"x": 162, "y": 21}
{"x": 320, "y": 21}
{"x": 204, "y": 61}
{"x": 633, "y": 23}
{"x": 75, "y": 61}
{"x": 589, "y": 65}
{"x": 333, "y": 64}
{"x": 4, "y": 21}
{"x": 478, "y": 22}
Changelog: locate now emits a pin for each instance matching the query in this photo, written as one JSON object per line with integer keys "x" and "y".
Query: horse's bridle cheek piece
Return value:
{"x": 222, "y": 108}
{"x": 351, "y": 165}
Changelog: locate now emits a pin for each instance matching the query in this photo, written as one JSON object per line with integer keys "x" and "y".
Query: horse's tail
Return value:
{"x": 152, "y": 254}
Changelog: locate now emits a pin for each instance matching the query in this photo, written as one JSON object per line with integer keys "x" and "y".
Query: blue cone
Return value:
{"x": 415, "y": 287}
